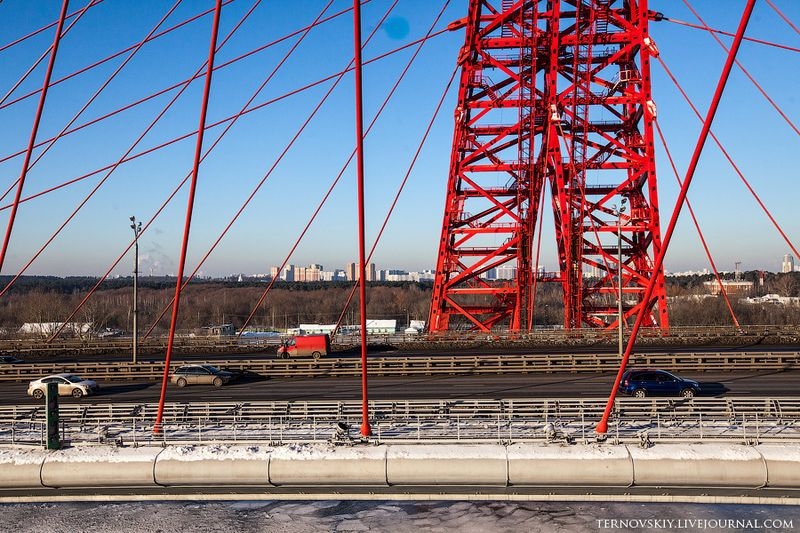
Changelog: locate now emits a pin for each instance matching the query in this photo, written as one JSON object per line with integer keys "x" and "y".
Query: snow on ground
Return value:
{"x": 394, "y": 517}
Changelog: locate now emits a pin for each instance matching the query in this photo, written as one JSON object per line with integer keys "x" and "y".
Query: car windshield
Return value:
{"x": 211, "y": 369}
{"x": 73, "y": 379}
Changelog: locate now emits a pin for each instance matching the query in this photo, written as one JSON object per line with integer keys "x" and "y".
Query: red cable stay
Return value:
{"x": 746, "y": 73}
{"x": 34, "y": 33}
{"x": 121, "y": 159}
{"x": 732, "y": 163}
{"x": 160, "y": 92}
{"x": 784, "y": 17}
{"x": 339, "y": 176}
{"x": 602, "y": 426}
{"x": 325, "y": 197}
{"x": 258, "y": 186}
{"x": 711, "y": 262}
{"x": 190, "y": 205}
{"x": 108, "y": 58}
{"x": 34, "y": 130}
{"x": 400, "y": 189}
{"x": 43, "y": 56}
{"x": 212, "y": 125}
{"x": 175, "y": 191}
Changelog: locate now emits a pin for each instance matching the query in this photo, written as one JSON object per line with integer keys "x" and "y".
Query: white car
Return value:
{"x": 68, "y": 385}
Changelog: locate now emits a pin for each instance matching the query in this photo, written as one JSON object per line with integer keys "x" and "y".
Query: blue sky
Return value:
{"x": 761, "y": 143}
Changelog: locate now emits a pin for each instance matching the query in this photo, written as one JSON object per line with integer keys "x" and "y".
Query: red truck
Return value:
{"x": 304, "y": 345}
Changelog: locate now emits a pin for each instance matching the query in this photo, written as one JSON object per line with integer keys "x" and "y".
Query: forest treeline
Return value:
{"x": 205, "y": 303}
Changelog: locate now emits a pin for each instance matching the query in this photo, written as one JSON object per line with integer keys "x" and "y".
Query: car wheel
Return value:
{"x": 217, "y": 382}
{"x": 181, "y": 383}
{"x": 38, "y": 394}
{"x": 639, "y": 393}
{"x": 77, "y": 393}
{"x": 316, "y": 355}
{"x": 687, "y": 393}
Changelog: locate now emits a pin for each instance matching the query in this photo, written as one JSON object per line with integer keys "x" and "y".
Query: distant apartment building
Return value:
{"x": 353, "y": 273}
{"x": 788, "y": 264}
{"x": 288, "y": 273}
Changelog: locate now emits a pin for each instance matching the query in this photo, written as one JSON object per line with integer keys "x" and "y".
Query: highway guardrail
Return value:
{"x": 395, "y": 365}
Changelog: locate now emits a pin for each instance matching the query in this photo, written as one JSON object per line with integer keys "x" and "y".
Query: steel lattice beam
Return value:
{"x": 551, "y": 94}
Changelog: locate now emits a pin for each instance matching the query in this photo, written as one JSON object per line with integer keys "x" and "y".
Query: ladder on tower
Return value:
{"x": 601, "y": 16}
{"x": 506, "y": 29}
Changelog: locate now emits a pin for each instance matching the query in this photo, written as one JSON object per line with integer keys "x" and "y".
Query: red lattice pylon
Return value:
{"x": 551, "y": 94}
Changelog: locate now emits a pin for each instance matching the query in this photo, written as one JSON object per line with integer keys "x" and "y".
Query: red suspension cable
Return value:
{"x": 45, "y": 28}
{"x": 728, "y": 34}
{"x": 784, "y": 17}
{"x": 746, "y": 73}
{"x": 602, "y": 426}
{"x": 175, "y": 191}
{"x": 116, "y": 165}
{"x": 109, "y": 58}
{"x": 732, "y": 163}
{"x": 258, "y": 186}
{"x": 43, "y": 56}
{"x": 697, "y": 226}
{"x": 34, "y": 130}
{"x": 192, "y": 188}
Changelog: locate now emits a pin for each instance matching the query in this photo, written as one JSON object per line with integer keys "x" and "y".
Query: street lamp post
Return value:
{"x": 619, "y": 212}
{"x": 137, "y": 229}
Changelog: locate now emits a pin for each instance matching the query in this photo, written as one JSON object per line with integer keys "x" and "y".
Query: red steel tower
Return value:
{"x": 554, "y": 98}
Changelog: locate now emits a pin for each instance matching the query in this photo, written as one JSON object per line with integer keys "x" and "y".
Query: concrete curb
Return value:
{"x": 481, "y": 465}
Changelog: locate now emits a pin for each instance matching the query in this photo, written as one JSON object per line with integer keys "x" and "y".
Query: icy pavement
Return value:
{"x": 395, "y": 517}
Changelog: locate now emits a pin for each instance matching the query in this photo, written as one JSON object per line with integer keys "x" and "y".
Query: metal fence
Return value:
{"x": 647, "y": 420}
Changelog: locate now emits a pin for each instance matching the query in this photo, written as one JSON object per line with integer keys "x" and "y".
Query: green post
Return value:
{"x": 51, "y": 411}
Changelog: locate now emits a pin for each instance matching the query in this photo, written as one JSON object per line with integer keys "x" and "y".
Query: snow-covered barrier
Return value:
{"x": 706, "y": 465}
{"x": 319, "y": 464}
{"x": 99, "y": 467}
{"x": 783, "y": 465}
{"x": 447, "y": 464}
{"x": 21, "y": 468}
{"x": 213, "y": 465}
{"x": 553, "y": 465}
{"x": 323, "y": 464}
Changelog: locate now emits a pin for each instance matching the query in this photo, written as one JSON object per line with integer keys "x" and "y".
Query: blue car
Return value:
{"x": 641, "y": 383}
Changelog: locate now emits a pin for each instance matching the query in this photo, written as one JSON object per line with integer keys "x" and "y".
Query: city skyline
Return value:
{"x": 734, "y": 225}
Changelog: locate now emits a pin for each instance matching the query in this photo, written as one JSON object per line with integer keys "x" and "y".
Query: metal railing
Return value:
{"x": 550, "y": 336}
{"x": 334, "y": 366}
{"x": 746, "y": 420}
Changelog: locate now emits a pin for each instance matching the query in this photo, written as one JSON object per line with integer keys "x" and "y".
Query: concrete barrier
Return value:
{"x": 701, "y": 465}
{"x": 783, "y": 464}
{"x": 100, "y": 467}
{"x": 525, "y": 464}
{"x": 555, "y": 465}
{"x": 213, "y": 465}
{"x": 326, "y": 464}
{"x": 21, "y": 468}
{"x": 447, "y": 464}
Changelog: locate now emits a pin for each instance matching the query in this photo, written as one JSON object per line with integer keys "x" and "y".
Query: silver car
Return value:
{"x": 68, "y": 385}
{"x": 200, "y": 374}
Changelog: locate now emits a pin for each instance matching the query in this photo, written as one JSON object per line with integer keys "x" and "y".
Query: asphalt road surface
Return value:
{"x": 494, "y": 386}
